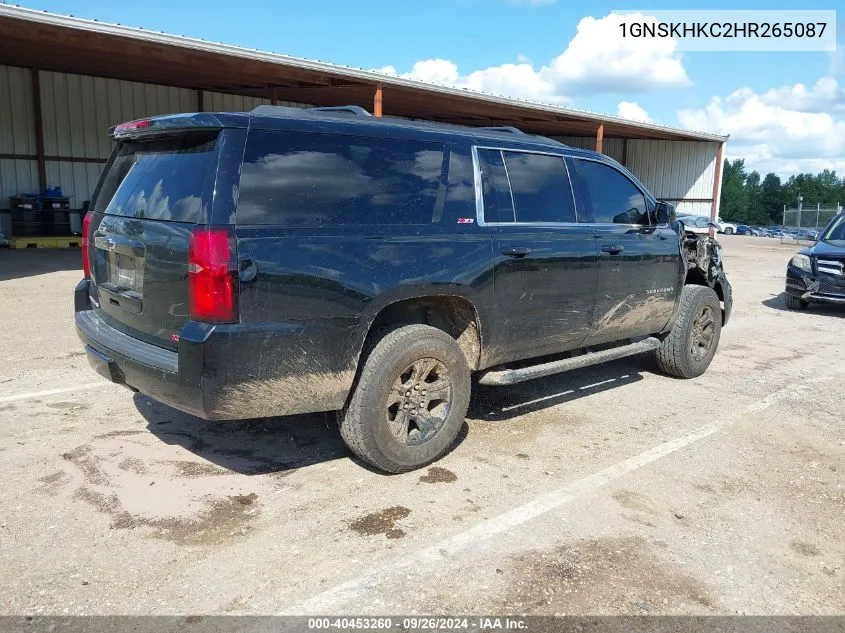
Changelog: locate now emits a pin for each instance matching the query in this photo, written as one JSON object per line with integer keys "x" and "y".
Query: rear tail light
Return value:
{"x": 86, "y": 260}
{"x": 211, "y": 282}
{"x": 132, "y": 126}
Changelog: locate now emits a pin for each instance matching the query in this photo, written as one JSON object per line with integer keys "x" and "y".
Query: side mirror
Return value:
{"x": 665, "y": 212}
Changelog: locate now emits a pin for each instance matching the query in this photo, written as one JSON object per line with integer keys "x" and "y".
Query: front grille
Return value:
{"x": 830, "y": 266}
{"x": 831, "y": 288}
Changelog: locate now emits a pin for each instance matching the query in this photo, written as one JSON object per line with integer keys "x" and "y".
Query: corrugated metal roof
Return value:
{"x": 122, "y": 31}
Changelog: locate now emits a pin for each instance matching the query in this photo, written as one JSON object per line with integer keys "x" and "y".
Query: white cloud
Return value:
{"x": 824, "y": 96}
{"x": 596, "y": 60}
{"x": 782, "y": 130}
{"x": 632, "y": 110}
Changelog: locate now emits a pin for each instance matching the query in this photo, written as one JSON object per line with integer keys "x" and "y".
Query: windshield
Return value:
{"x": 160, "y": 179}
{"x": 836, "y": 231}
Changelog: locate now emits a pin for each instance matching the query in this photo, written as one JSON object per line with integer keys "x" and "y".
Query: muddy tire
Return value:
{"x": 688, "y": 349}
{"x": 796, "y": 303}
{"x": 410, "y": 400}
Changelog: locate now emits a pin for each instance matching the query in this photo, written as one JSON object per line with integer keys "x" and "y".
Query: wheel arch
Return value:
{"x": 453, "y": 310}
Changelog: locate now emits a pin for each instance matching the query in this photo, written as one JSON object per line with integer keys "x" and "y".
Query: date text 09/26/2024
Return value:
{"x": 421, "y": 623}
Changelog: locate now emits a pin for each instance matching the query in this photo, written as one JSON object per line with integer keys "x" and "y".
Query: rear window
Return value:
{"x": 293, "y": 178}
{"x": 525, "y": 187}
{"x": 540, "y": 187}
{"x": 161, "y": 179}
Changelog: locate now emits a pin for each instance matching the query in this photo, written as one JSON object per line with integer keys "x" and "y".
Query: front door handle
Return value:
{"x": 613, "y": 249}
{"x": 516, "y": 251}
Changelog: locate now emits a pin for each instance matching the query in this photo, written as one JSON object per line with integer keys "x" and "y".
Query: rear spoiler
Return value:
{"x": 174, "y": 123}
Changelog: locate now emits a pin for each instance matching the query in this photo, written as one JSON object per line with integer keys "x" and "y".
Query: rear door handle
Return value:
{"x": 613, "y": 249}
{"x": 516, "y": 251}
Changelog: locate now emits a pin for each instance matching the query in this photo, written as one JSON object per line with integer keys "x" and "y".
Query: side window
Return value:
{"x": 612, "y": 198}
{"x": 540, "y": 187}
{"x": 306, "y": 179}
{"x": 460, "y": 186}
{"x": 498, "y": 204}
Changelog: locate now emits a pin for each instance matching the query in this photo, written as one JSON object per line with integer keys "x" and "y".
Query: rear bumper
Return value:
{"x": 821, "y": 288}
{"x": 225, "y": 372}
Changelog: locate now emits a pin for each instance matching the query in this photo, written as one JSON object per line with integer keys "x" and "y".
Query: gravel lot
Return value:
{"x": 613, "y": 490}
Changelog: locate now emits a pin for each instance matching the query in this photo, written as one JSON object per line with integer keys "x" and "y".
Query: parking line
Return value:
{"x": 51, "y": 392}
{"x": 332, "y": 599}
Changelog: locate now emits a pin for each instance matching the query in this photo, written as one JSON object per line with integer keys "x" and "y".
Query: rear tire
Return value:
{"x": 688, "y": 349}
{"x": 729, "y": 231}
{"x": 796, "y": 303}
{"x": 410, "y": 401}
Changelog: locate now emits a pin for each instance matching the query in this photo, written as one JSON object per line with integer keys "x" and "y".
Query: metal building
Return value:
{"x": 64, "y": 81}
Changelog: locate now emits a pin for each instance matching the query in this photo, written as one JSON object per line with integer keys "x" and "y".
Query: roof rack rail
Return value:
{"x": 271, "y": 110}
{"x": 350, "y": 109}
{"x": 504, "y": 128}
{"x": 279, "y": 110}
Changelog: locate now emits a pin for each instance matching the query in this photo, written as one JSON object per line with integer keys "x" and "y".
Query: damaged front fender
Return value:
{"x": 705, "y": 267}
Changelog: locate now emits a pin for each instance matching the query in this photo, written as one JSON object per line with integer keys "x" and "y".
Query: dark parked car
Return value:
{"x": 742, "y": 229}
{"x": 817, "y": 273}
{"x": 286, "y": 261}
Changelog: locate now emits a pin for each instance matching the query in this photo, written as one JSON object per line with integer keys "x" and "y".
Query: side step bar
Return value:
{"x": 502, "y": 377}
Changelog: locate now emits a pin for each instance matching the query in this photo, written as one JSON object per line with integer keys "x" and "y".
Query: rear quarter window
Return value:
{"x": 293, "y": 178}
{"x": 160, "y": 179}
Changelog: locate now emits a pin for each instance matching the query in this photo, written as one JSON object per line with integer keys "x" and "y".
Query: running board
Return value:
{"x": 502, "y": 377}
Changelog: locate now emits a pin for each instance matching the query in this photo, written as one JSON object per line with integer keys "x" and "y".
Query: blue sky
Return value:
{"x": 784, "y": 111}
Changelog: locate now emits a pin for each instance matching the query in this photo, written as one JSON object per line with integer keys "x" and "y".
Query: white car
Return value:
{"x": 728, "y": 228}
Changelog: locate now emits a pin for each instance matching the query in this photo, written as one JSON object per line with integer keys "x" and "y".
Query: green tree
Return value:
{"x": 747, "y": 200}
{"x": 755, "y": 213}
{"x": 734, "y": 203}
{"x": 771, "y": 199}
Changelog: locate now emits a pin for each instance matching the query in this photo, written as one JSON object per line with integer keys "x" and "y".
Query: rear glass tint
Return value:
{"x": 498, "y": 203}
{"x": 161, "y": 179}
{"x": 540, "y": 187}
{"x": 292, "y": 178}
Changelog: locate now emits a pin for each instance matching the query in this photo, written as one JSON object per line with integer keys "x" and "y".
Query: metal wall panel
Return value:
{"x": 17, "y": 133}
{"x": 612, "y": 147}
{"x": 222, "y": 102}
{"x": 693, "y": 208}
{"x": 16, "y": 177}
{"x": 675, "y": 169}
{"x": 17, "y": 121}
{"x": 78, "y": 110}
{"x": 78, "y": 180}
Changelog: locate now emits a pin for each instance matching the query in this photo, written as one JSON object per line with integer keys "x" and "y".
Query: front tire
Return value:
{"x": 796, "y": 303}
{"x": 728, "y": 231}
{"x": 410, "y": 401}
{"x": 688, "y": 349}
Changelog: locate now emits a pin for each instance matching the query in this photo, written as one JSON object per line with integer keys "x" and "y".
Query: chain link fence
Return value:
{"x": 805, "y": 223}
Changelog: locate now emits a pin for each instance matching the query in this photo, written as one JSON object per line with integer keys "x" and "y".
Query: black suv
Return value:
{"x": 817, "y": 274}
{"x": 287, "y": 261}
